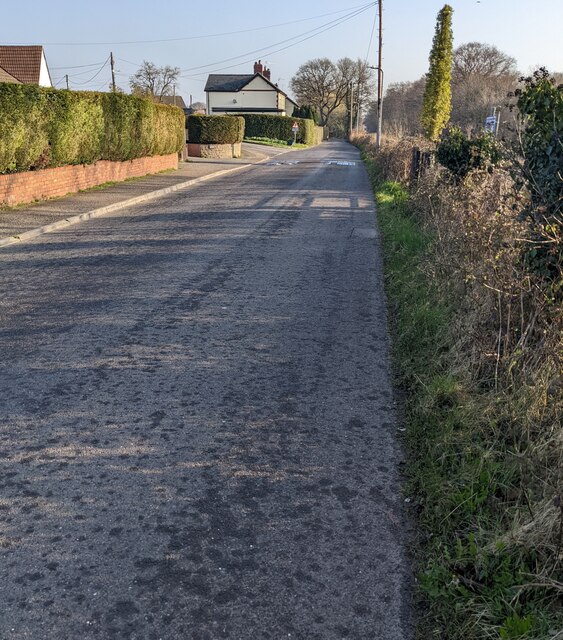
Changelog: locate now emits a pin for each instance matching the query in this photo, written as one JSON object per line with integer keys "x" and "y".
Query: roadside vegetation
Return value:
{"x": 257, "y": 128}
{"x": 271, "y": 142}
{"x": 474, "y": 272}
{"x": 215, "y": 129}
{"x": 273, "y": 127}
{"x": 50, "y": 128}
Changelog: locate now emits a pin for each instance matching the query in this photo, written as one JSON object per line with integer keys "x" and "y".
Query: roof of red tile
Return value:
{"x": 22, "y": 62}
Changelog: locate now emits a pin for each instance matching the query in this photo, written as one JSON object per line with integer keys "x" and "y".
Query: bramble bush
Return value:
{"x": 539, "y": 173}
{"x": 48, "y": 127}
{"x": 461, "y": 155}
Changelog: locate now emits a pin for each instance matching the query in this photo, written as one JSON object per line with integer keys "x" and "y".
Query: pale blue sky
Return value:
{"x": 528, "y": 30}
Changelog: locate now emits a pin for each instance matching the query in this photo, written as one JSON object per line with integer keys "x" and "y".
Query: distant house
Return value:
{"x": 177, "y": 101}
{"x": 24, "y": 65}
{"x": 247, "y": 93}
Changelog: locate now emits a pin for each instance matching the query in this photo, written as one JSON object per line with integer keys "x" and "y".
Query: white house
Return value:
{"x": 26, "y": 64}
{"x": 247, "y": 93}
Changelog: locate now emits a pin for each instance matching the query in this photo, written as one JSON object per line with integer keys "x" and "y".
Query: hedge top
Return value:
{"x": 215, "y": 129}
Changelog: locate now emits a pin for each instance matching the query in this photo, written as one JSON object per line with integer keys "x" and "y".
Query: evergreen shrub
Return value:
{"x": 42, "y": 127}
{"x": 215, "y": 129}
{"x": 279, "y": 128}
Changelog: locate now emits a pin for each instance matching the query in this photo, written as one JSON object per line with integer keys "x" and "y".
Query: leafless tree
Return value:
{"x": 326, "y": 86}
{"x": 359, "y": 80}
{"x": 482, "y": 77}
{"x": 401, "y": 109}
{"x": 154, "y": 82}
{"x": 319, "y": 83}
{"x": 478, "y": 60}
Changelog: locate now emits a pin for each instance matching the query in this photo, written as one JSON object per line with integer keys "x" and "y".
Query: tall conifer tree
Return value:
{"x": 437, "y": 103}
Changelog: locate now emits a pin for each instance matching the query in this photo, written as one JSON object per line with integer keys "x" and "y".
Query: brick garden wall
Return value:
{"x": 20, "y": 188}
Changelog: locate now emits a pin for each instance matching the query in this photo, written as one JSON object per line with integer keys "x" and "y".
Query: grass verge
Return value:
{"x": 462, "y": 468}
{"x": 270, "y": 142}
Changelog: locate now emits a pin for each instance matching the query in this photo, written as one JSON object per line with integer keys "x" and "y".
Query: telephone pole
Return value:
{"x": 379, "y": 75}
{"x": 66, "y": 78}
{"x": 112, "y": 71}
{"x": 351, "y": 110}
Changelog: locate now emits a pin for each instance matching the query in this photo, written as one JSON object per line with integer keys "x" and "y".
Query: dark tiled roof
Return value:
{"x": 22, "y": 62}
{"x": 236, "y": 82}
{"x": 7, "y": 77}
{"x": 177, "y": 101}
{"x": 228, "y": 82}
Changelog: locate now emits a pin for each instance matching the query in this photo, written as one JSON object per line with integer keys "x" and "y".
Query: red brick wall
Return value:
{"x": 19, "y": 188}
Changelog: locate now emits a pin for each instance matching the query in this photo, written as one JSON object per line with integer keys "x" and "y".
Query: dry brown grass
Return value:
{"x": 506, "y": 345}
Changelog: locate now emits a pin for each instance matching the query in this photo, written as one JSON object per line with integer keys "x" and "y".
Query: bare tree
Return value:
{"x": 358, "y": 78}
{"x": 482, "y": 77}
{"x": 402, "y": 107}
{"x": 319, "y": 83}
{"x": 475, "y": 59}
{"x": 154, "y": 82}
{"x": 326, "y": 86}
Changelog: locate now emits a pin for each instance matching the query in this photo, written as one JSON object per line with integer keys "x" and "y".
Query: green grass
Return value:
{"x": 270, "y": 142}
{"x": 459, "y": 468}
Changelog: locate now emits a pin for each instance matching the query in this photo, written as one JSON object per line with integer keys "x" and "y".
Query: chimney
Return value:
{"x": 266, "y": 73}
{"x": 258, "y": 68}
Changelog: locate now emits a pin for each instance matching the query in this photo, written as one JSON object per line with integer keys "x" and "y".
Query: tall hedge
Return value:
{"x": 278, "y": 127}
{"x": 48, "y": 128}
{"x": 23, "y": 138}
{"x": 215, "y": 129}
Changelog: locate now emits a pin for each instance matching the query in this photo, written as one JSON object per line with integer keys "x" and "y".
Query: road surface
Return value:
{"x": 198, "y": 436}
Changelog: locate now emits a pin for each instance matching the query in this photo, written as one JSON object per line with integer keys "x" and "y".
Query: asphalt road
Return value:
{"x": 198, "y": 436}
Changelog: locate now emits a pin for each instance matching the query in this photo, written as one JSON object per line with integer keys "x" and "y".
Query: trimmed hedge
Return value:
{"x": 215, "y": 129}
{"x": 42, "y": 128}
{"x": 279, "y": 128}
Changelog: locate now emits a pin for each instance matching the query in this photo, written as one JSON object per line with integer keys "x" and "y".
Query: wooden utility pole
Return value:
{"x": 358, "y": 105}
{"x": 351, "y": 110}
{"x": 379, "y": 74}
{"x": 66, "y": 78}
{"x": 112, "y": 71}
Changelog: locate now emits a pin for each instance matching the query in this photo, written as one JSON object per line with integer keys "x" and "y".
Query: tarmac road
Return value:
{"x": 197, "y": 427}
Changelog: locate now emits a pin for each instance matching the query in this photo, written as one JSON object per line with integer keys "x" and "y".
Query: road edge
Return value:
{"x": 116, "y": 206}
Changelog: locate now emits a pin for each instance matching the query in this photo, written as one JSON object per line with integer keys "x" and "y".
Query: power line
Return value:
{"x": 212, "y": 35}
{"x": 308, "y": 35}
{"x": 370, "y": 41}
{"x": 134, "y": 64}
{"x": 81, "y": 84}
{"x": 318, "y": 30}
{"x": 78, "y": 66}
{"x": 80, "y": 73}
